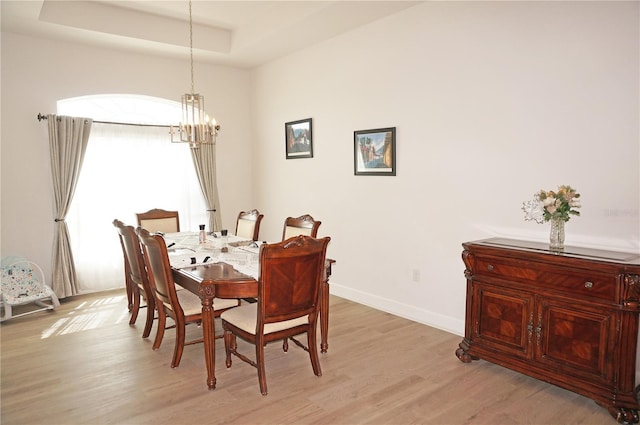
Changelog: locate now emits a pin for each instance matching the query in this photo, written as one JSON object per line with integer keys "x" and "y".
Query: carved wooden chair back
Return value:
{"x": 159, "y": 220}
{"x": 136, "y": 275}
{"x": 248, "y": 224}
{"x": 291, "y": 273}
{"x": 129, "y": 285}
{"x": 303, "y": 225}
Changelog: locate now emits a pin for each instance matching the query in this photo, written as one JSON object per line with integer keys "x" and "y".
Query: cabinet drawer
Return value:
{"x": 564, "y": 279}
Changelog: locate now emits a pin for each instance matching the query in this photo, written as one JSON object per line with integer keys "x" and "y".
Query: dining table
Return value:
{"x": 226, "y": 267}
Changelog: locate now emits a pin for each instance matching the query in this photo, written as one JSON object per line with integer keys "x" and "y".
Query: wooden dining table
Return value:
{"x": 221, "y": 280}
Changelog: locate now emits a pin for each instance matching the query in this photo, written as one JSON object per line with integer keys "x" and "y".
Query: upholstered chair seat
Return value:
{"x": 245, "y": 317}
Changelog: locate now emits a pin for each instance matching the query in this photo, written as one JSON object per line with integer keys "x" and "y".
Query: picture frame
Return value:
{"x": 299, "y": 139}
{"x": 374, "y": 152}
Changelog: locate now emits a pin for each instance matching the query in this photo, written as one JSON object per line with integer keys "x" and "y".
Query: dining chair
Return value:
{"x": 183, "y": 307}
{"x": 303, "y": 225}
{"x": 136, "y": 278}
{"x": 159, "y": 220}
{"x": 248, "y": 224}
{"x": 291, "y": 273}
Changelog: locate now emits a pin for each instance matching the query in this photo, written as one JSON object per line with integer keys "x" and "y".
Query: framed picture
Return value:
{"x": 374, "y": 152}
{"x": 299, "y": 139}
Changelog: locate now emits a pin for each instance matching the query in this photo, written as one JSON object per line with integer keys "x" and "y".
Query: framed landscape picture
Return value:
{"x": 375, "y": 152}
{"x": 299, "y": 139}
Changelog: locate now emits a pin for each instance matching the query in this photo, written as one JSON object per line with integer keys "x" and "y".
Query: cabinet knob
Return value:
{"x": 588, "y": 284}
{"x": 490, "y": 267}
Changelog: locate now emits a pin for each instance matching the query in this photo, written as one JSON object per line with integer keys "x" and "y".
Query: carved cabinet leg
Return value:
{"x": 462, "y": 354}
{"x": 624, "y": 415}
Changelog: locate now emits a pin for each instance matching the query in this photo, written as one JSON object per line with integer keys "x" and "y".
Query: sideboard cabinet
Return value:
{"x": 569, "y": 318}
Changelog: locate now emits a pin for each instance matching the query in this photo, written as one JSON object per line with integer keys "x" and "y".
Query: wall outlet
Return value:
{"x": 415, "y": 275}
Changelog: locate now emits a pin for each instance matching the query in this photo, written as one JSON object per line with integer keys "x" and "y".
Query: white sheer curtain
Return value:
{"x": 127, "y": 169}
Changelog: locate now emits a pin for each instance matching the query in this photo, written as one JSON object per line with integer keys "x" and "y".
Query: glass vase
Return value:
{"x": 556, "y": 237}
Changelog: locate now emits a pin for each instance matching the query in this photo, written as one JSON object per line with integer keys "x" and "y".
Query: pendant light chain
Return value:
{"x": 195, "y": 127}
{"x": 191, "y": 45}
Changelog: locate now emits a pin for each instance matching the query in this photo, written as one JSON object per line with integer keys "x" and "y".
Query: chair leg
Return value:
{"x": 136, "y": 307}
{"x": 179, "y": 345}
{"x": 229, "y": 346}
{"x": 262, "y": 376}
{"x": 313, "y": 350}
{"x": 151, "y": 311}
{"x": 285, "y": 345}
{"x": 162, "y": 323}
{"x": 129, "y": 288}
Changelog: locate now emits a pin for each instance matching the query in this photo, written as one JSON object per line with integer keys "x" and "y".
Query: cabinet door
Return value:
{"x": 575, "y": 338}
{"x": 502, "y": 319}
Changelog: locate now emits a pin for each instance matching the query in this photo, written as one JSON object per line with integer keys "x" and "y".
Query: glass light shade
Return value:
{"x": 195, "y": 127}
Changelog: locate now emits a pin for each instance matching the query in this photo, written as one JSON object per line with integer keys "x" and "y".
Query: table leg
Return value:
{"x": 209, "y": 335}
{"x": 324, "y": 307}
{"x": 324, "y": 316}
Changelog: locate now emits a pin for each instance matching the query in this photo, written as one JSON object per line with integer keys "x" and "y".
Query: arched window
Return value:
{"x": 126, "y": 169}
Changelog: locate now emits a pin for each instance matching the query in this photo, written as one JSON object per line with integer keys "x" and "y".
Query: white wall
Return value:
{"x": 492, "y": 101}
{"x": 37, "y": 72}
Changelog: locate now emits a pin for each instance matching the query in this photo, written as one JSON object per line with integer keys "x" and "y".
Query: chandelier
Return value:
{"x": 195, "y": 127}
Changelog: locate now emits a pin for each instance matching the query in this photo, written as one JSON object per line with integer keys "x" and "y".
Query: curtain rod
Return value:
{"x": 44, "y": 117}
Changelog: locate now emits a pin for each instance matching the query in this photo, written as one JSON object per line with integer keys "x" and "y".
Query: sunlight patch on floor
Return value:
{"x": 90, "y": 315}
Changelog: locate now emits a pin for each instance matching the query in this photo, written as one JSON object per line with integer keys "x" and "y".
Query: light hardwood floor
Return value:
{"x": 83, "y": 364}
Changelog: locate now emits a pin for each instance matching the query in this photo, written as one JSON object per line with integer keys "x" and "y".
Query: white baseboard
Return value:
{"x": 436, "y": 320}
